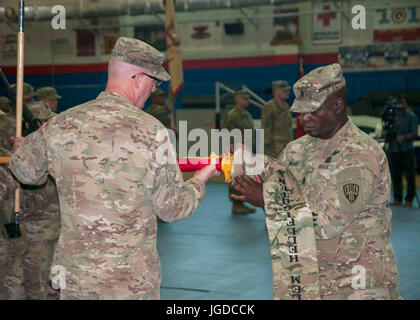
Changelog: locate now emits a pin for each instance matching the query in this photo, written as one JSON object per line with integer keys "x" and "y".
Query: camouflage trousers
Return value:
{"x": 11, "y": 268}
{"x": 36, "y": 268}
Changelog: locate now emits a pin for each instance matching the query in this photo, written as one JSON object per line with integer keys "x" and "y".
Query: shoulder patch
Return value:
{"x": 351, "y": 189}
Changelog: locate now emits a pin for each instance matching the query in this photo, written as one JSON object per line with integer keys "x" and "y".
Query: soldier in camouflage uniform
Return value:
{"x": 49, "y": 96}
{"x": 11, "y": 250}
{"x": 4, "y": 104}
{"x": 7, "y": 128}
{"x": 162, "y": 109}
{"x": 40, "y": 218}
{"x": 239, "y": 118}
{"x": 276, "y": 120}
{"x": 39, "y": 109}
{"x": 106, "y": 157}
{"x": 40, "y": 215}
{"x": 344, "y": 176}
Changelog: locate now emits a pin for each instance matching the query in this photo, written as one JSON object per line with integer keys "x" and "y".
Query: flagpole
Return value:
{"x": 19, "y": 93}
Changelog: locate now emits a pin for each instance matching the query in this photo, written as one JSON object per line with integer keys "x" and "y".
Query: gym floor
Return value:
{"x": 216, "y": 255}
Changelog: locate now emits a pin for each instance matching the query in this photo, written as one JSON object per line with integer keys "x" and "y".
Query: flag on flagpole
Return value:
{"x": 299, "y": 126}
{"x": 173, "y": 49}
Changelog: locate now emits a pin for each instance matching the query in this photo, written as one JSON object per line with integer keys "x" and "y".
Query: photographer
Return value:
{"x": 401, "y": 154}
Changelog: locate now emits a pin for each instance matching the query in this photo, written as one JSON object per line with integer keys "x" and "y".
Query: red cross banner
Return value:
{"x": 326, "y": 25}
{"x": 173, "y": 49}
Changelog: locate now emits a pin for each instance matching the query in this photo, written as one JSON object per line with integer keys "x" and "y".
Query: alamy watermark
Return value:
{"x": 59, "y": 20}
{"x": 59, "y": 274}
{"x": 245, "y": 141}
{"x": 358, "y": 282}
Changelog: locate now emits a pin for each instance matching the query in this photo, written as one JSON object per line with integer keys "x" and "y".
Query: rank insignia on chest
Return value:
{"x": 351, "y": 191}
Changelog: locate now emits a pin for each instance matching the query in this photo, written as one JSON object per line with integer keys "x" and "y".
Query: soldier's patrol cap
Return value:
{"x": 241, "y": 93}
{"x": 4, "y": 100}
{"x": 48, "y": 93}
{"x": 281, "y": 84}
{"x": 313, "y": 89}
{"x": 157, "y": 92}
{"x": 28, "y": 90}
{"x": 140, "y": 54}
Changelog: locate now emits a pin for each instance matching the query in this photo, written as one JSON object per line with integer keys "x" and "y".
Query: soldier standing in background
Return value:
{"x": 112, "y": 183}
{"x": 162, "y": 109}
{"x": 40, "y": 219}
{"x": 276, "y": 120}
{"x": 239, "y": 118}
{"x": 344, "y": 174}
{"x": 39, "y": 109}
{"x": 7, "y": 129}
{"x": 11, "y": 250}
{"x": 49, "y": 96}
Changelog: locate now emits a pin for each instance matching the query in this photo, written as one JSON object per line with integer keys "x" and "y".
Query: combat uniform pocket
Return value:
{"x": 337, "y": 200}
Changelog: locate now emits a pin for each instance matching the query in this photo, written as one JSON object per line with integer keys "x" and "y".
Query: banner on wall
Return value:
{"x": 286, "y": 29}
{"x": 326, "y": 25}
{"x": 397, "y": 24}
{"x": 197, "y": 34}
{"x": 381, "y": 56}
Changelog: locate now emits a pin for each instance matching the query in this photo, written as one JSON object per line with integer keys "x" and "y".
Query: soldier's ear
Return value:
{"x": 339, "y": 105}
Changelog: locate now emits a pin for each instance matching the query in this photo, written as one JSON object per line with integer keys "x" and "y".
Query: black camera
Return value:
{"x": 388, "y": 119}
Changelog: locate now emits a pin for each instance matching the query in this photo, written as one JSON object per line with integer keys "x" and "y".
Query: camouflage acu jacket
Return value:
{"x": 276, "y": 120}
{"x": 7, "y": 130}
{"x": 39, "y": 205}
{"x": 238, "y": 119}
{"x": 346, "y": 180}
{"x": 104, "y": 157}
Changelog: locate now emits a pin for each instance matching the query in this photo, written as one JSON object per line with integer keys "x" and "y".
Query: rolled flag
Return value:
{"x": 223, "y": 164}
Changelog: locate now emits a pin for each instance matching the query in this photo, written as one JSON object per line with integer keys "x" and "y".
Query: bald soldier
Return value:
{"x": 326, "y": 202}
{"x": 239, "y": 118}
{"x": 112, "y": 182}
{"x": 49, "y": 96}
{"x": 276, "y": 120}
{"x": 162, "y": 109}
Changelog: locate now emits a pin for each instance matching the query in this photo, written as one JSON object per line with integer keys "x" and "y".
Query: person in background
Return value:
{"x": 162, "y": 109}
{"x": 239, "y": 118}
{"x": 49, "y": 96}
{"x": 276, "y": 120}
{"x": 401, "y": 154}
